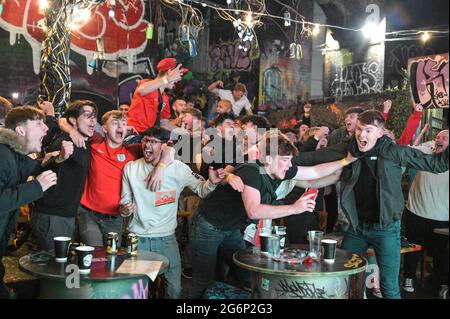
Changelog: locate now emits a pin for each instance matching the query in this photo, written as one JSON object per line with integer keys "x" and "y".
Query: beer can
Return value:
{"x": 112, "y": 243}
{"x": 132, "y": 244}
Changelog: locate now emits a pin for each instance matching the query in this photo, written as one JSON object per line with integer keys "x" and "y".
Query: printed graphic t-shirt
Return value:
{"x": 104, "y": 180}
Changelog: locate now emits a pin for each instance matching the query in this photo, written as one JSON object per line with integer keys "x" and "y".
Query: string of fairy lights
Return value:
{"x": 63, "y": 17}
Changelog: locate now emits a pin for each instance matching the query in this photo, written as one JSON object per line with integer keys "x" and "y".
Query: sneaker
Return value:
{"x": 187, "y": 273}
{"x": 408, "y": 285}
{"x": 377, "y": 292}
{"x": 443, "y": 292}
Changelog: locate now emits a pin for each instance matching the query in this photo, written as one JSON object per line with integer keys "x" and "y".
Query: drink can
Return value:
{"x": 112, "y": 243}
{"x": 132, "y": 244}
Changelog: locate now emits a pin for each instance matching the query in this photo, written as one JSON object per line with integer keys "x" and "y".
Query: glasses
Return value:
{"x": 152, "y": 142}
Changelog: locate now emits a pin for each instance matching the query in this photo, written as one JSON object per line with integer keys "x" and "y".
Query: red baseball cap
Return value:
{"x": 169, "y": 64}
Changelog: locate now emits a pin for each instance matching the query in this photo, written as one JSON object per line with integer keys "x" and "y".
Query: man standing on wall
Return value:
{"x": 150, "y": 105}
{"x": 237, "y": 97}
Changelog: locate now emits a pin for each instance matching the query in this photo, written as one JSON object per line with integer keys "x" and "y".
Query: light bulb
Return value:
{"x": 316, "y": 30}
{"x": 43, "y": 4}
{"x": 425, "y": 37}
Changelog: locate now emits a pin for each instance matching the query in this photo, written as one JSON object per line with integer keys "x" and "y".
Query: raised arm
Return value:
{"x": 307, "y": 173}
{"x": 411, "y": 126}
{"x": 321, "y": 182}
{"x": 172, "y": 76}
{"x": 409, "y": 157}
{"x": 214, "y": 87}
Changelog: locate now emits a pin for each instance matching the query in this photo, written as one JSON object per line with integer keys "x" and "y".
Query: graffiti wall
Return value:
{"x": 21, "y": 35}
{"x": 282, "y": 82}
{"x": 429, "y": 80}
{"x": 231, "y": 64}
{"x": 397, "y": 56}
{"x": 349, "y": 74}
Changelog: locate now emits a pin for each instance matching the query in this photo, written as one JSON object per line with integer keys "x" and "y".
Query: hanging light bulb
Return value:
{"x": 100, "y": 48}
{"x": 79, "y": 18}
{"x": 316, "y": 30}
{"x": 425, "y": 37}
{"x": 287, "y": 18}
{"x": 112, "y": 9}
{"x": 228, "y": 2}
{"x": 249, "y": 20}
{"x": 43, "y": 5}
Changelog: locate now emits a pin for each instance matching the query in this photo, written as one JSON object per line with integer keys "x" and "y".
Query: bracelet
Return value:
{"x": 165, "y": 80}
{"x": 162, "y": 165}
{"x": 229, "y": 178}
{"x": 344, "y": 162}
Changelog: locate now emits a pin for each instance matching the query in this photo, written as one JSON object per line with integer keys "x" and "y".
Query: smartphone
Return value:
{"x": 310, "y": 192}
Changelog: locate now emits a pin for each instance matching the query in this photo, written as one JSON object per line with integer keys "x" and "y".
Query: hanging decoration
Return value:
{"x": 190, "y": 26}
{"x": 55, "y": 73}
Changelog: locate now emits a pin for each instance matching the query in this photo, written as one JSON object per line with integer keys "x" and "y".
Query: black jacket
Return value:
{"x": 63, "y": 199}
{"x": 390, "y": 160}
{"x": 15, "y": 191}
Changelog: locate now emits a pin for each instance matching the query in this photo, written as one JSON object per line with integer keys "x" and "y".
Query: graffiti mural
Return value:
{"x": 429, "y": 80}
{"x": 357, "y": 79}
{"x": 123, "y": 35}
{"x": 400, "y": 54}
{"x": 281, "y": 83}
{"x": 230, "y": 57}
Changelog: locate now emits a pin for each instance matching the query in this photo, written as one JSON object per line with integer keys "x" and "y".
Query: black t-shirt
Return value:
{"x": 366, "y": 192}
{"x": 63, "y": 199}
{"x": 225, "y": 209}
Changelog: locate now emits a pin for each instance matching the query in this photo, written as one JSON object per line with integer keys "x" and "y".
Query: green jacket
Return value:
{"x": 390, "y": 160}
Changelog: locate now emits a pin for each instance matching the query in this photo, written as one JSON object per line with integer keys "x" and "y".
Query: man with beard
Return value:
{"x": 371, "y": 194}
{"x": 54, "y": 214}
{"x": 24, "y": 132}
{"x": 155, "y": 213}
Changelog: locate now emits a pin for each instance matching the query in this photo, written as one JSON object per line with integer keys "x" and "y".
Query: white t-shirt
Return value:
{"x": 236, "y": 105}
{"x": 156, "y": 213}
{"x": 428, "y": 195}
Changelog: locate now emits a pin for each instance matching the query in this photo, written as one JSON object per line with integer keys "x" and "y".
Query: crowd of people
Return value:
{"x": 132, "y": 171}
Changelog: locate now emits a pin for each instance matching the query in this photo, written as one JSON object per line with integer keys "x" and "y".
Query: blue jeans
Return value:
{"x": 386, "y": 244}
{"x": 205, "y": 240}
{"x": 94, "y": 227}
{"x": 168, "y": 247}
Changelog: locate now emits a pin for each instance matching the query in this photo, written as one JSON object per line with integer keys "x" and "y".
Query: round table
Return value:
{"x": 59, "y": 281}
{"x": 271, "y": 279}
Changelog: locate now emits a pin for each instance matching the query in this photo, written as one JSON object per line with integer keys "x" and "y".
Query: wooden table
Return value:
{"x": 57, "y": 280}
{"x": 271, "y": 279}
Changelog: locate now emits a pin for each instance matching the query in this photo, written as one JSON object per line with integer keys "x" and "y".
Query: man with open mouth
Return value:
{"x": 54, "y": 214}
{"x": 99, "y": 213}
{"x": 371, "y": 194}
{"x": 155, "y": 213}
{"x": 22, "y": 135}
